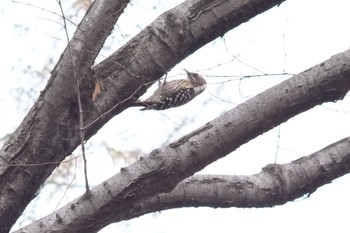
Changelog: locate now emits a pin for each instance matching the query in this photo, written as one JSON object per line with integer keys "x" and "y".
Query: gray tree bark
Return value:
{"x": 51, "y": 129}
{"x": 153, "y": 183}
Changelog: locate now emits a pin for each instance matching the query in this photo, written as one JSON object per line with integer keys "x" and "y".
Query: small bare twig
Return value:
{"x": 46, "y": 10}
{"x": 70, "y": 184}
{"x": 37, "y": 164}
{"x": 278, "y": 143}
{"x": 113, "y": 108}
{"x": 81, "y": 117}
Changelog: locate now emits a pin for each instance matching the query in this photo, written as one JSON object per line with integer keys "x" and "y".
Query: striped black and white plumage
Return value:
{"x": 175, "y": 93}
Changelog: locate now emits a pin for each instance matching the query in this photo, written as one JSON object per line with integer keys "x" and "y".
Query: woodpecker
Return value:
{"x": 174, "y": 93}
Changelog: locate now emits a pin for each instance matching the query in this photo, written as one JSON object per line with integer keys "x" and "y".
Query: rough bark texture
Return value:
{"x": 50, "y": 131}
{"x": 165, "y": 167}
{"x": 276, "y": 184}
{"x": 174, "y": 35}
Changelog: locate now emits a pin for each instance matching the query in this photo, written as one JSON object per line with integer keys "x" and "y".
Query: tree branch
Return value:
{"x": 48, "y": 131}
{"x": 173, "y": 36}
{"x": 275, "y": 185}
{"x": 164, "y": 168}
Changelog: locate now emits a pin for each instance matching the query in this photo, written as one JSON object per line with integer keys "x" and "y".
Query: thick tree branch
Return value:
{"x": 46, "y": 135}
{"x": 164, "y": 168}
{"x": 50, "y": 131}
{"x": 169, "y": 39}
{"x": 276, "y": 184}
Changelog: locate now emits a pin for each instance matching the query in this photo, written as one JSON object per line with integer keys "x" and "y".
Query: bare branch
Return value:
{"x": 275, "y": 185}
{"x": 169, "y": 39}
{"x": 164, "y": 168}
{"x": 50, "y": 131}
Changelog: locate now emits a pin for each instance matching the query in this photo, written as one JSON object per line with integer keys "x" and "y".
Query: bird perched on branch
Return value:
{"x": 174, "y": 93}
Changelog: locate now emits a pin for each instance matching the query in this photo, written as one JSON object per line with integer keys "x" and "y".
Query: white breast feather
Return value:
{"x": 199, "y": 89}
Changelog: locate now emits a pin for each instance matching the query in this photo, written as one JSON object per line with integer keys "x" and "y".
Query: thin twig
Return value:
{"x": 81, "y": 117}
{"x": 37, "y": 164}
{"x": 131, "y": 97}
{"x": 70, "y": 184}
{"x": 82, "y": 136}
{"x": 43, "y": 9}
{"x": 240, "y": 77}
{"x": 278, "y": 142}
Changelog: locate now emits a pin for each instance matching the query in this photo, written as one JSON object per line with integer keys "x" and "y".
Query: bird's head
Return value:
{"x": 197, "y": 81}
